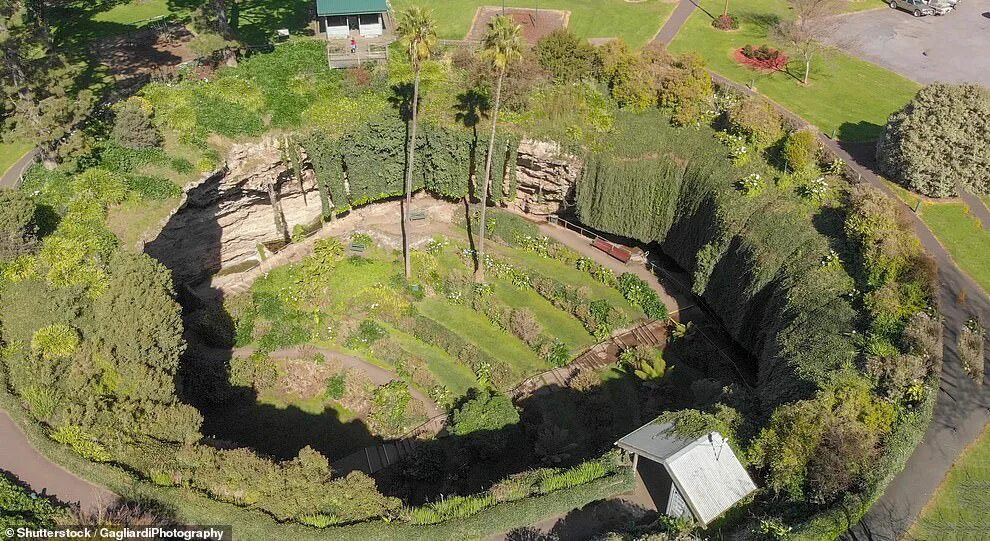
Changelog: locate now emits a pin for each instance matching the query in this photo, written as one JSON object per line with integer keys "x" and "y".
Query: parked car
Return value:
{"x": 916, "y": 7}
{"x": 941, "y": 7}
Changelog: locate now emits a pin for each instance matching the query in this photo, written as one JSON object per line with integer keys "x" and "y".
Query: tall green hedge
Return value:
{"x": 369, "y": 163}
{"x": 755, "y": 260}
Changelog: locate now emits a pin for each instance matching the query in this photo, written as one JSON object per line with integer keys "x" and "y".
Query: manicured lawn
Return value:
{"x": 960, "y": 508}
{"x": 963, "y": 236}
{"x": 449, "y": 372}
{"x": 910, "y": 198}
{"x": 10, "y": 153}
{"x": 556, "y": 322}
{"x": 848, "y": 96}
{"x": 137, "y": 11}
{"x": 476, "y": 329}
{"x": 636, "y": 23}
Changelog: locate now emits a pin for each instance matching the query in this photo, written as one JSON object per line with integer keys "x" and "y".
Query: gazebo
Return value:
{"x": 697, "y": 478}
{"x": 341, "y": 17}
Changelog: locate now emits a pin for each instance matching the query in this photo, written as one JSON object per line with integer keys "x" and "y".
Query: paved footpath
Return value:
{"x": 677, "y": 19}
{"x": 19, "y": 458}
{"x": 976, "y": 207}
{"x": 12, "y": 176}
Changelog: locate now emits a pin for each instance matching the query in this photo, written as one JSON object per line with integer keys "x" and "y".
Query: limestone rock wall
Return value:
{"x": 545, "y": 177}
{"x": 225, "y": 218}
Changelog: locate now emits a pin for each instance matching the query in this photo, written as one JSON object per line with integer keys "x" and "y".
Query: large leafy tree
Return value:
{"x": 419, "y": 35}
{"x": 38, "y": 85}
{"x": 502, "y": 45}
{"x": 937, "y": 142}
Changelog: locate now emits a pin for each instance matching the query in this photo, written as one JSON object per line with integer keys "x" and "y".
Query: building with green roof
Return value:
{"x": 342, "y": 19}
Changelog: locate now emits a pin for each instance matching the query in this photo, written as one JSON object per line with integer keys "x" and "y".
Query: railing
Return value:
{"x": 598, "y": 241}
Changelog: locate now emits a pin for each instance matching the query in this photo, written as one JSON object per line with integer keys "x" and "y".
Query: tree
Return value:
{"x": 937, "y": 142}
{"x": 419, "y": 36}
{"x": 41, "y": 103}
{"x": 502, "y": 45}
{"x": 807, "y": 32}
{"x": 566, "y": 56}
{"x": 17, "y": 224}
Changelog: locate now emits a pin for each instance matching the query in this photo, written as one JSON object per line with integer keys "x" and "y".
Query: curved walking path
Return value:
{"x": 12, "y": 176}
{"x": 20, "y": 458}
{"x": 677, "y": 19}
{"x": 976, "y": 207}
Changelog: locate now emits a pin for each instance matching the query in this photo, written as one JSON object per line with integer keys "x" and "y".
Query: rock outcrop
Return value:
{"x": 232, "y": 218}
{"x": 545, "y": 177}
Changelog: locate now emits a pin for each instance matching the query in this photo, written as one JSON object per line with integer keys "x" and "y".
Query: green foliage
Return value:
{"x": 367, "y": 333}
{"x": 153, "y": 187}
{"x": 133, "y": 126}
{"x": 388, "y": 410}
{"x": 756, "y": 119}
{"x": 56, "y": 341}
{"x": 336, "y": 386}
{"x": 81, "y": 442}
{"x": 450, "y": 508}
{"x": 929, "y": 146}
{"x": 18, "y": 226}
{"x": 22, "y": 508}
{"x": 567, "y": 57}
{"x": 800, "y": 150}
{"x": 638, "y": 292}
{"x": 483, "y": 411}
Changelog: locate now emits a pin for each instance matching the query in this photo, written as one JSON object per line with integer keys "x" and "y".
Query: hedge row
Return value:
{"x": 369, "y": 163}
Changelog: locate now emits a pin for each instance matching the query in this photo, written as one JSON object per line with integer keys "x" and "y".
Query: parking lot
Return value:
{"x": 951, "y": 48}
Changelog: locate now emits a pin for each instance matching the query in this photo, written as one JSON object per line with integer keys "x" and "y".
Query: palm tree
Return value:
{"x": 502, "y": 45}
{"x": 419, "y": 35}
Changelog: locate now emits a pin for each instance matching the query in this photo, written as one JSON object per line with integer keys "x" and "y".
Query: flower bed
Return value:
{"x": 762, "y": 58}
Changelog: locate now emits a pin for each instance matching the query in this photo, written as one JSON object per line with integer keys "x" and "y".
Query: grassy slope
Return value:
{"x": 449, "y": 371}
{"x": 960, "y": 508}
{"x": 963, "y": 236}
{"x": 849, "y": 96}
{"x": 476, "y": 329}
{"x": 567, "y": 274}
{"x": 636, "y": 23}
{"x": 564, "y": 327}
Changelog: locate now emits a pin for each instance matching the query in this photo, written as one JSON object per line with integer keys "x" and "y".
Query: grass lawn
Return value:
{"x": 634, "y": 22}
{"x": 846, "y": 95}
{"x": 10, "y": 153}
{"x": 136, "y": 11}
{"x": 132, "y": 219}
{"x": 963, "y": 236}
{"x": 910, "y": 198}
{"x": 475, "y": 328}
{"x": 960, "y": 508}
{"x": 449, "y": 371}
{"x": 556, "y": 322}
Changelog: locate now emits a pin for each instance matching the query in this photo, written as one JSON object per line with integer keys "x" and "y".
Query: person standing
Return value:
{"x": 353, "y": 45}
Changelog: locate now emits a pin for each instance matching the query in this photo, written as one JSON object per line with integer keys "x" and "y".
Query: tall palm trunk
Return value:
{"x": 479, "y": 274}
{"x": 409, "y": 173}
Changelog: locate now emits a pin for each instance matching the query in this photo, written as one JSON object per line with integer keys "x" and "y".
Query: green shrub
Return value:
{"x": 153, "y": 187}
{"x": 756, "y": 119}
{"x": 566, "y": 56}
{"x": 336, "y": 386}
{"x": 23, "y": 508}
{"x": 56, "y": 341}
{"x": 800, "y": 150}
{"x": 133, "y": 126}
{"x": 367, "y": 333}
{"x": 483, "y": 411}
{"x": 638, "y": 292}
{"x": 929, "y": 147}
{"x": 81, "y": 442}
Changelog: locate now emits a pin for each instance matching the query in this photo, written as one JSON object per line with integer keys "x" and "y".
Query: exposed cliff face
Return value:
{"x": 546, "y": 177}
{"x": 254, "y": 201}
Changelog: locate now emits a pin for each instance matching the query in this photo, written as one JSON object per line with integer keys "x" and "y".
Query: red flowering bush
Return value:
{"x": 762, "y": 57}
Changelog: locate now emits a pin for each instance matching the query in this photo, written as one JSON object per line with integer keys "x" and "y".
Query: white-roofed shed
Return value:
{"x": 707, "y": 478}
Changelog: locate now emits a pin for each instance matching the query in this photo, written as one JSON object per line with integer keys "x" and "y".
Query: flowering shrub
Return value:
{"x": 751, "y": 184}
{"x": 738, "y": 149}
{"x": 762, "y": 57}
{"x": 814, "y": 189}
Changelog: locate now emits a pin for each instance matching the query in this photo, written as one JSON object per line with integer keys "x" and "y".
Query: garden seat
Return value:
{"x": 358, "y": 247}
{"x": 417, "y": 214}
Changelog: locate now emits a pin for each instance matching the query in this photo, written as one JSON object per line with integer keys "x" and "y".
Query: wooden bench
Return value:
{"x": 417, "y": 214}
{"x": 621, "y": 254}
{"x": 358, "y": 247}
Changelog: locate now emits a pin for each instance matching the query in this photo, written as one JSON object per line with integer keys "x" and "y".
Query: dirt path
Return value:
{"x": 21, "y": 459}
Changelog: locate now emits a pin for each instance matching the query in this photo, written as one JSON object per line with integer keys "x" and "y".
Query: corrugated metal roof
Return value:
{"x": 705, "y": 470}
{"x": 349, "y": 7}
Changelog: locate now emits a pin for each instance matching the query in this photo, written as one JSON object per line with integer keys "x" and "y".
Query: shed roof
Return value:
{"x": 705, "y": 470}
{"x": 349, "y": 7}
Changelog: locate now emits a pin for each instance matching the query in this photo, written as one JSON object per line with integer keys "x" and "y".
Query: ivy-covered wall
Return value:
{"x": 368, "y": 164}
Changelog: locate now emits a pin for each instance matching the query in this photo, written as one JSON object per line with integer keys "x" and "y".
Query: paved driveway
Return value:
{"x": 952, "y": 48}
